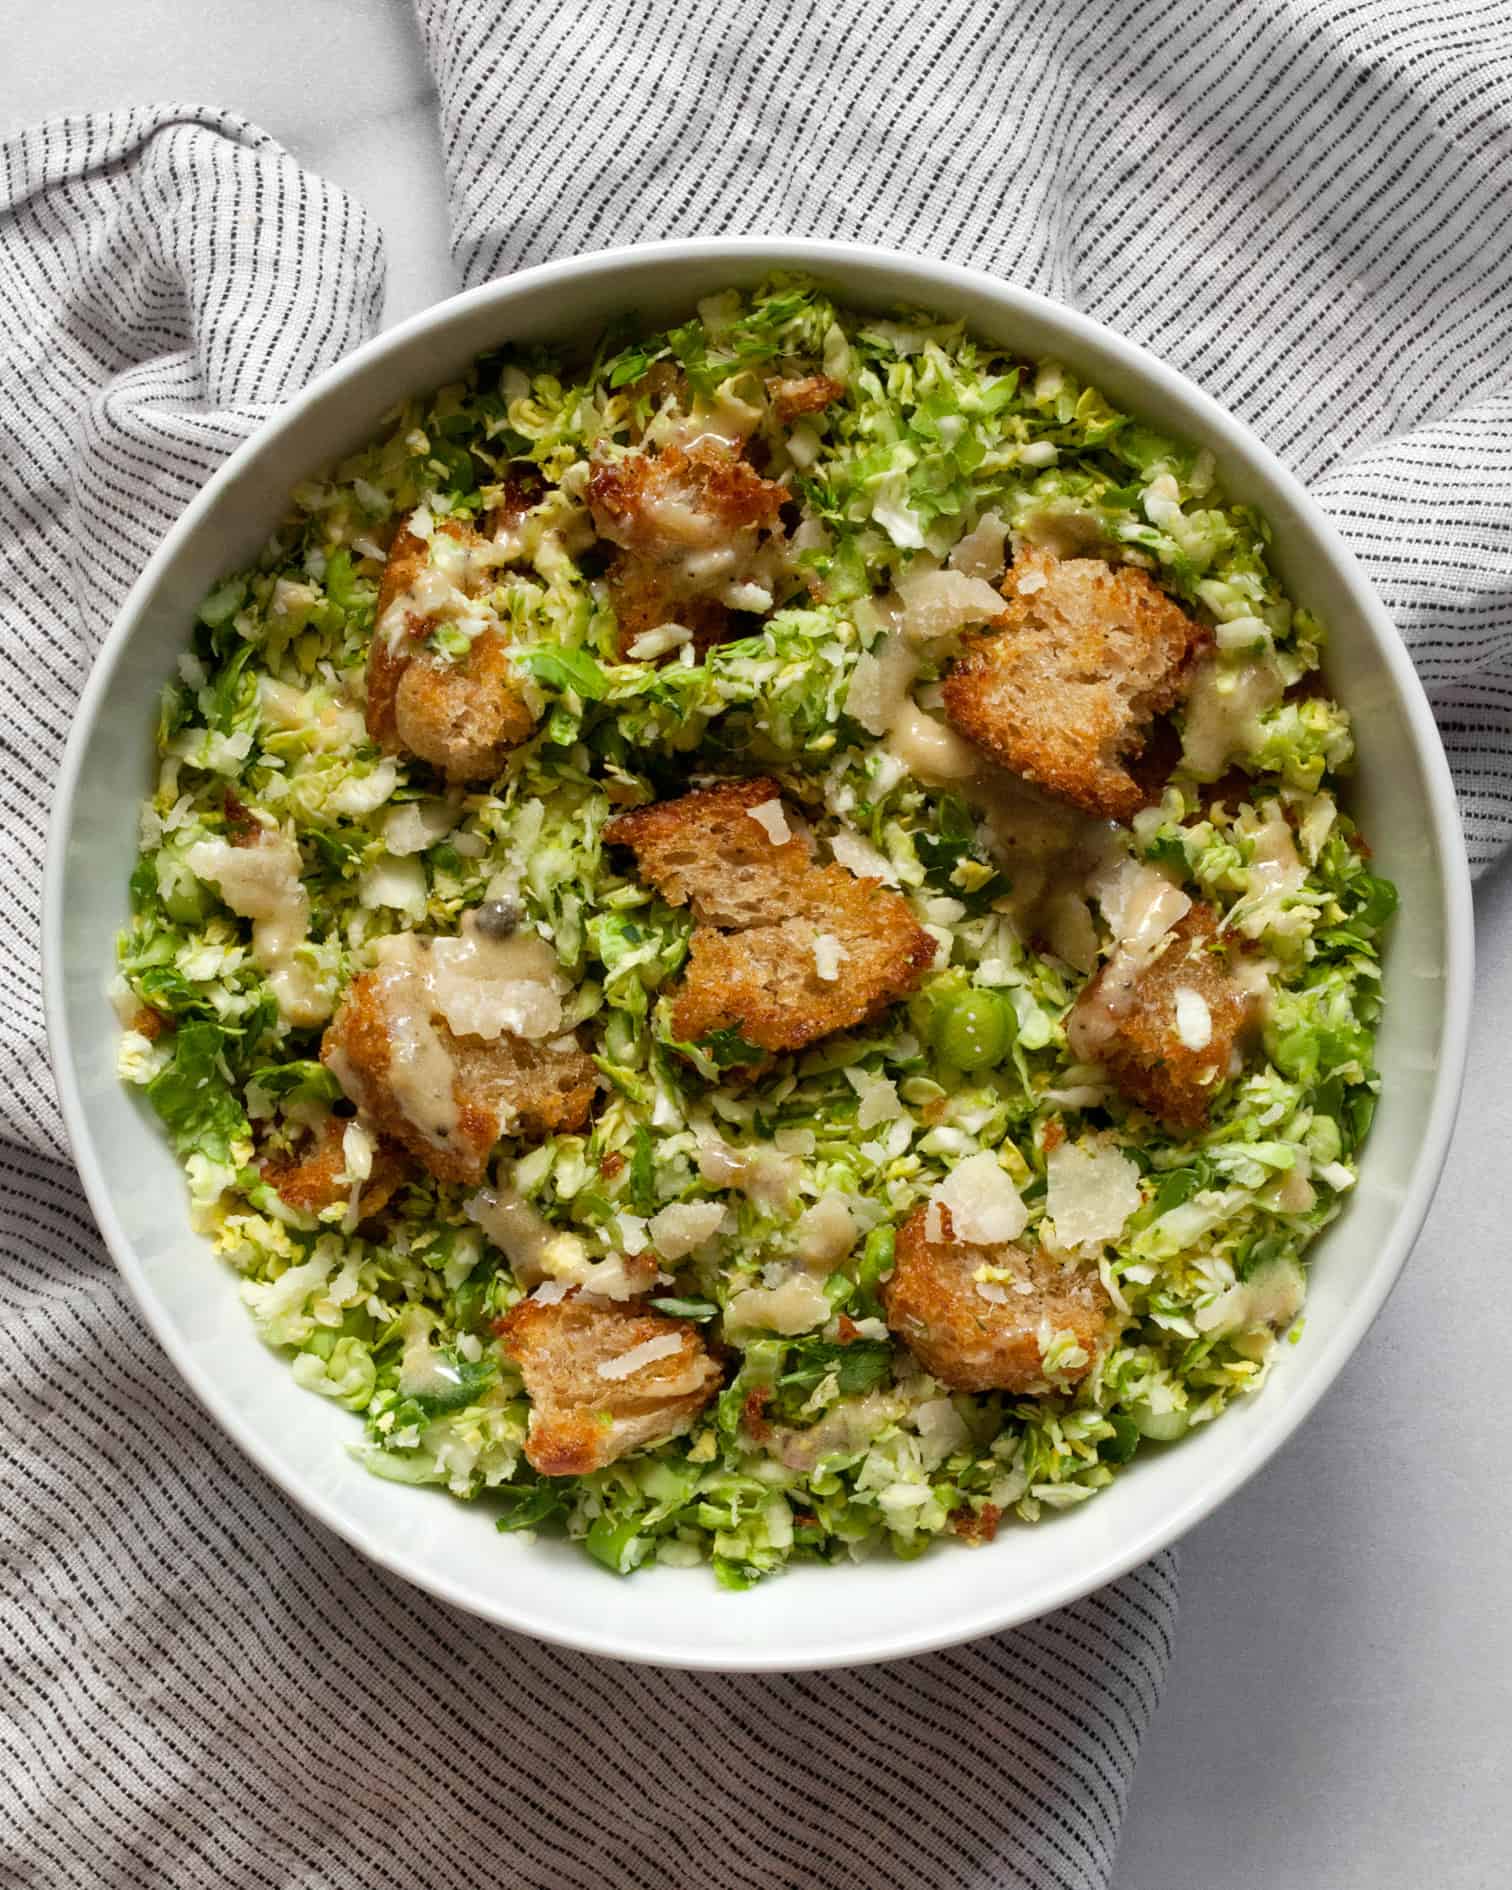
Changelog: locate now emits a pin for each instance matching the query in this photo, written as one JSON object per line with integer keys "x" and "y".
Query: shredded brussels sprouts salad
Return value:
{"x": 749, "y": 945}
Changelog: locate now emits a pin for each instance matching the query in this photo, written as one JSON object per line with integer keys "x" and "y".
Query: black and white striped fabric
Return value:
{"x": 1306, "y": 205}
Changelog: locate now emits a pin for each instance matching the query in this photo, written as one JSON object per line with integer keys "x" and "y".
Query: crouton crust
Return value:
{"x": 812, "y": 393}
{"x": 643, "y": 601}
{"x": 973, "y": 1341}
{"x": 764, "y": 981}
{"x": 1125, "y": 1020}
{"x": 533, "y": 1088}
{"x": 1063, "y": 690}
{"x": 310, "y": 1180}
{"x": 462, "y": 716}
{"x": 705, "y": 850}
{"x": 686, "y": 520}
{"x": 660, "y": 506}
{"x": 761, "y": 908}
{"x": 581, "y": 1420}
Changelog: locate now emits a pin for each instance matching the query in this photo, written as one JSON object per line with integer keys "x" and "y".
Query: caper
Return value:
{"x": 498, "y": 918}
{"x": 972, "y": 1029}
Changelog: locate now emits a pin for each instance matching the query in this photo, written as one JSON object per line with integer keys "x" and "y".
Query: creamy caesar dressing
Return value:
{"x": 796, "y": 1304}
{"x": 424, "y": 1372}
{"x": 727, "y": 416}
{"x": 475, "y": 985}
{"x": 422, "y": 1071}
{"x": 262, "y": 883}
{"x": 331, "y": 723}
{"x": 1276, "y": 874}
{"x": 1223, "y": 714}
{"x": 767, "y": 1176}
{"x": 535, "y": 1250}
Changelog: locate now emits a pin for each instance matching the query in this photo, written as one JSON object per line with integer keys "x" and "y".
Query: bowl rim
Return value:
{"x": 820, "y": 258}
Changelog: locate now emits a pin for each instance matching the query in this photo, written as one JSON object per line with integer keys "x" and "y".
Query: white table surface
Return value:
{"x": 1339, "y": 1714}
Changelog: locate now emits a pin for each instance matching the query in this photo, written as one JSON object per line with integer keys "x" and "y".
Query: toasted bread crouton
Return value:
{"x": 690, "y": 524}
{"x": 854, "y": 948}
{"x": 642, "y": 602}
{"x": 461, "y": 715}
{"x": 603, "y": 1380}
{"x": 811, "y": 394}
{"x": 991, "y": 1334}
{"x": 1164, "y": 1024}
{"x": 785, "y": 951}
{"x": 445, "y": 1098}
{"x": 312, "y": 1180}
{"x": 707, "y": 851}
{"x": 1064, "y": 690}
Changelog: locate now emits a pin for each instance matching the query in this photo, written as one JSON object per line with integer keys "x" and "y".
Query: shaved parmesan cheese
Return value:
{"x": 936, "y": 603}
{"x": 773, "y": 822}
{"x": 983, "y": 1203}
{"x": 1194, "y": 1021}
{"x": 676, "y": 1230}
{"x": 396, "y": 883}
{"x": 878, "y": 1097}
{"x": 416, "y": 825}
{"x": 826, "y": 1232}
{"x": 639, "y": 1356}
{"x": 769, "y": 1178}
{"x": 865, "y": 701}
{"x": 797, "y": 1305}
{"x": 829, "y": 954}
{"x": 941, "y": 1430}
{"x": 1139, "y": 904}
{"x": 1093, "y": 1190}
{"x": 357, "y": 1151}
{"x": 981, "y": 553}
{"x": 653, "y": 643}
{"x": 860, "y": 857}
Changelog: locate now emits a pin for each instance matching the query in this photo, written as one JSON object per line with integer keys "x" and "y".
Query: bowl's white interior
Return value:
{"x": 811, "y": 1616}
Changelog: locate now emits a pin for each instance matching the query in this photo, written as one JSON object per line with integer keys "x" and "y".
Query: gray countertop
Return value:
{"x": 1340, "y": 1709}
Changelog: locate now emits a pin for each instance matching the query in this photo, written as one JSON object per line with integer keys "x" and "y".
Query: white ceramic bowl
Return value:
{"x": 813, "y": 1616}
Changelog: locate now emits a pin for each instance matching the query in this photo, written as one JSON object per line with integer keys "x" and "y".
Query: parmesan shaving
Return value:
{"x": 1194, "y": 1021}
{"x": 677, "y": 1230}
{"x": 984, "y": 1206}
{"x": 664, "y": 1345}
{"x": 773, "y": 822}
{"x": 1093, "y": 1189}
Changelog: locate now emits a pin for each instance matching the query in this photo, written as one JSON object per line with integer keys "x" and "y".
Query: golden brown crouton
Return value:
{"x": 498, "y": 1086}
{"x": 705, "y": 850}
{"x": 785, "y": 951}
{"x": 811, "y": 394}
{"x": 690, "y": 524}
{"x": 1164, "y": 1025}
{"x": 855, "y": 949}
{"x": 461, "y": 715}
{"x": 586, "y": 1408}
{"x": 312, "y": 1180}
{"x": 989, "y": 1335}
{"x": 1064, "y": 689}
